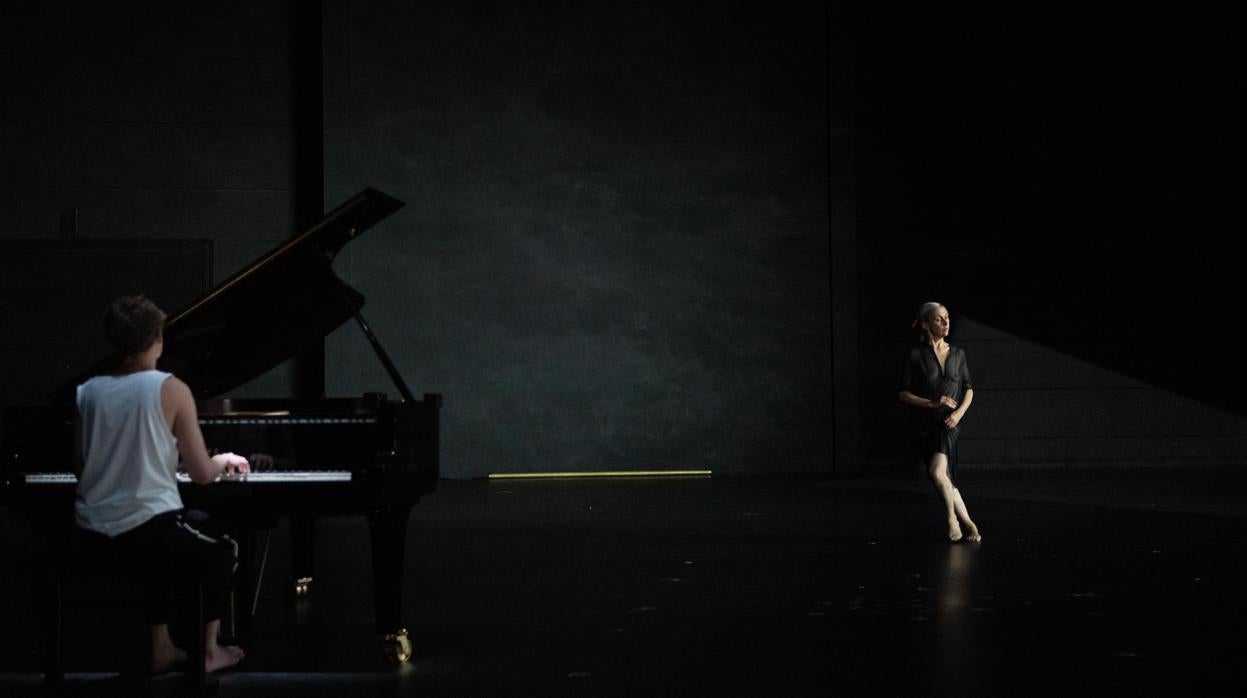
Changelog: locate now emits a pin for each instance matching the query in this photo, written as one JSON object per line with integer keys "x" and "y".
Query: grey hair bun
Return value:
{"x": 925, "y": 311}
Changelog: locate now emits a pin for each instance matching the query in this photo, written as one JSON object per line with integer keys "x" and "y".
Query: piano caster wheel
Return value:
{"x": 302, "y": 587}
{"x": 397, "y": 647}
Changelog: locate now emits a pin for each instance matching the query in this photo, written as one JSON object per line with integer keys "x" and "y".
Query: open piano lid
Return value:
{"x": 266, "y": 313}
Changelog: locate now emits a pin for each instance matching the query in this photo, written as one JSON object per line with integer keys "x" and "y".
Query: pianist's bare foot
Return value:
{"x": 165, "y": 655}
{"x": 164, "y": 658}
{"x": 220, "y": 657}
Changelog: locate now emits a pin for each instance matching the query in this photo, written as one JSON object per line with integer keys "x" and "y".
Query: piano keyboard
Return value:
{"x": 284, "y": 476}
{"x": 281, "y": 420}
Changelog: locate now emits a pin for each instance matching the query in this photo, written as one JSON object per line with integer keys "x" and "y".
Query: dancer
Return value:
{"x": 936, "y": 386}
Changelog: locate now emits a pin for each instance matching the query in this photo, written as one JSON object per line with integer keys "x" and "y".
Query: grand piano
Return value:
{"x": 372, "y": 456}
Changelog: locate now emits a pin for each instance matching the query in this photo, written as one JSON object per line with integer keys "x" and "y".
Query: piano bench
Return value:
{"x": 69, "y": 584}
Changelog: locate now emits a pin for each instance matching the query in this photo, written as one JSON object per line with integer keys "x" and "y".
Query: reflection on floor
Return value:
{"x": 1087, "y": 582}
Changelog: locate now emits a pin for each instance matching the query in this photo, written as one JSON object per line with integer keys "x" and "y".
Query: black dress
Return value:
{"x": 924, "y": 378}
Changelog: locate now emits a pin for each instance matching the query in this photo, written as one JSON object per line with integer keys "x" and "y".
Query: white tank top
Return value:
{"x": 129, "y": 454}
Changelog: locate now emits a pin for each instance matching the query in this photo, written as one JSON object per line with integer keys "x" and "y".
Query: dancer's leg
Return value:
{"x": 938, "y": 470}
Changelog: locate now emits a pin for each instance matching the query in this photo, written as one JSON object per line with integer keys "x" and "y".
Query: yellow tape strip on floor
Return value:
{"x": 601, "y": 473}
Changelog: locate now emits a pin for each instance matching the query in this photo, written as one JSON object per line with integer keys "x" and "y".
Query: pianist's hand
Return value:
{"x": 231, "y": 463}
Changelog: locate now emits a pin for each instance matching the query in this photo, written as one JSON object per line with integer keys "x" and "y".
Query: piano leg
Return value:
{"x": 388, "y": 529}
{"x": 302, "y": 541}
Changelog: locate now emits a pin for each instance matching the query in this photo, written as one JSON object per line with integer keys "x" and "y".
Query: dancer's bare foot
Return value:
{"x": 972, "y": 532}
{"x": 222, "y": 657}
{"x": 165, "y": 658}
{"x": 954, "y": 530}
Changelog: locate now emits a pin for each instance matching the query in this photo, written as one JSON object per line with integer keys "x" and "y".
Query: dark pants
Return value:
{"x": 167, "y": 553}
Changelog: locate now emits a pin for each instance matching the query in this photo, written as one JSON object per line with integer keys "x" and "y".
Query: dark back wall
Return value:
{"x": 615, "y": 247}
{"x": 614, "y": 253}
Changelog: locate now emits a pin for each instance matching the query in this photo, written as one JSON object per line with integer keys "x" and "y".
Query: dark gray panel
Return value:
{"x": 42, "y": 371}
{"x": 143, "y": 89}
{"x": 147, "y": 28}
{"x": 53, "y": 295}
{"x": 223, "y": 214}
{"x": 153, "y": 120}
{"x": 146, "y": 156}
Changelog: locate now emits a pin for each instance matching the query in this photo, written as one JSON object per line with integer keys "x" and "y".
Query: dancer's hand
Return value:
{"x": 952, "y": 420}
{"x": 944, "y": 401}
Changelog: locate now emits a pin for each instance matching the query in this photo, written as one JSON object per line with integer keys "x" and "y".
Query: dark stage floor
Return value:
{"x": 1103, "y": 582}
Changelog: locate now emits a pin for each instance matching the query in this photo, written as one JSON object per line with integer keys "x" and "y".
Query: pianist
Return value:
{"x": 133, "y": 424}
